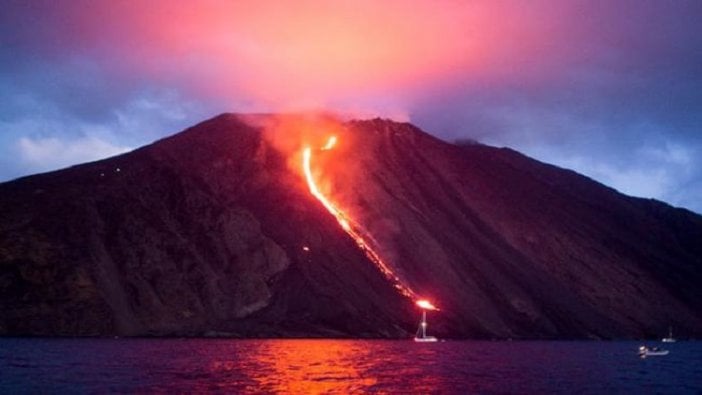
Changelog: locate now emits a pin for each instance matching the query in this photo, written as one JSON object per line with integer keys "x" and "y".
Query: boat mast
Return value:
{"x": 424, "y": 324}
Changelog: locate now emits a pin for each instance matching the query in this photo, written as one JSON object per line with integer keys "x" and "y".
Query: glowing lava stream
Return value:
{"x": 347, "y": 224}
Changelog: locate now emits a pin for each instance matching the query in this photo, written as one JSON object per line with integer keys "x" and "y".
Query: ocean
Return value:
{"x": 50, "y": 365}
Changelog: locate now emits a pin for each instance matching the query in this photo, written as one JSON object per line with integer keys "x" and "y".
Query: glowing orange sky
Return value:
{"x": 302, "y": 53}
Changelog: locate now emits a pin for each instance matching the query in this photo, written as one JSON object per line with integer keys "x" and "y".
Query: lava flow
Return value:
{"x": 347, "y": 224}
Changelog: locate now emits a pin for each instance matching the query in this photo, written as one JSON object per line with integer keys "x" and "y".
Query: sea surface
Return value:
{"x": 344, "y": 366}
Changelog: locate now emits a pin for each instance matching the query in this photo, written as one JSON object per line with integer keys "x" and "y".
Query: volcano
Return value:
{"x": 214, "y": 232}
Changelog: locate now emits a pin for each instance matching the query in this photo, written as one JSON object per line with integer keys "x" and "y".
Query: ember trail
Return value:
{"x": 349, "y": 226}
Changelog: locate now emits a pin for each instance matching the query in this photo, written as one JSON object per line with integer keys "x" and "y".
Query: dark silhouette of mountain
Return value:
{"x": 212, "y": 232}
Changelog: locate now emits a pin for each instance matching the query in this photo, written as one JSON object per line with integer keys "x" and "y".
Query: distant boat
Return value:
{"x": 421, "y": 335}
{"x": 670, "y": 338}
{"x": 645, "y": 351}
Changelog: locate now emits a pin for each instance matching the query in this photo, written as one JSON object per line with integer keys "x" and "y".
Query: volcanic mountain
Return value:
{"x": 214, "y": 231}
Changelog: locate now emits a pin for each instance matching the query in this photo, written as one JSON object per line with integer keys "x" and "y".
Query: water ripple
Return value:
{"x": 342, "y": 366}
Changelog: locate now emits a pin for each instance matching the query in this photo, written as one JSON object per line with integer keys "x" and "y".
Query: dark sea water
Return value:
{"x": 343, "y": 366}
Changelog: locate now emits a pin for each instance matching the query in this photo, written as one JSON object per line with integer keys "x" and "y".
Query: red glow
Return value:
{"x": 353, "y": 230}
{"x": 300, "y": 54}
{"x": 330, "y": 143}
{"x": 346, "y": 224}
{"x": 426, "y": 305}
{"x": 296, "y": 136}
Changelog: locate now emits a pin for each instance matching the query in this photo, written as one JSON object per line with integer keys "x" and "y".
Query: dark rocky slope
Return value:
{"x": 512, "y": 247}
{"x": 203, "y": 233}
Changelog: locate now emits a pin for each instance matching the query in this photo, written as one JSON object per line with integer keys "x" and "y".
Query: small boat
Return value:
{"x": 670, "y": 338}
{"x": 645, "y": 351}
{"x": 421, "y": 335}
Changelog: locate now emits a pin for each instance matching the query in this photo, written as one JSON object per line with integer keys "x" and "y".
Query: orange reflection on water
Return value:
{"x": 307, "y": 367}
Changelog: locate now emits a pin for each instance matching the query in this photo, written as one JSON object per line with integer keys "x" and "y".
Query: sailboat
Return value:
{"x": 421, "y": 335}
{"x": 670, "y": 338}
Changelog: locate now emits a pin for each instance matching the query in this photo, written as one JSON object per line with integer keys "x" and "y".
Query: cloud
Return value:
{"x": 658, "y": 167}
{"x": 46, "y": 154}
{"x": 43, "y": 136}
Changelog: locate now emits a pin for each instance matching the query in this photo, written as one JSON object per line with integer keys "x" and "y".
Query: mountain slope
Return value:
{"x": 519, "y": 248}
{"x": 213, "y": 231}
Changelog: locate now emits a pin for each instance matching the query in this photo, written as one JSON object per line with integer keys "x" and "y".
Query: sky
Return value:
{"x": 611, "y": 89}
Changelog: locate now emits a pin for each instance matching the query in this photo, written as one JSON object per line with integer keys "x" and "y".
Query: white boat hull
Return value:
{"x": 651, "y": 352}
{"x": 669, "y": 338}
{"x": 654, "y": 353}
{"x": 421, "y": 336}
